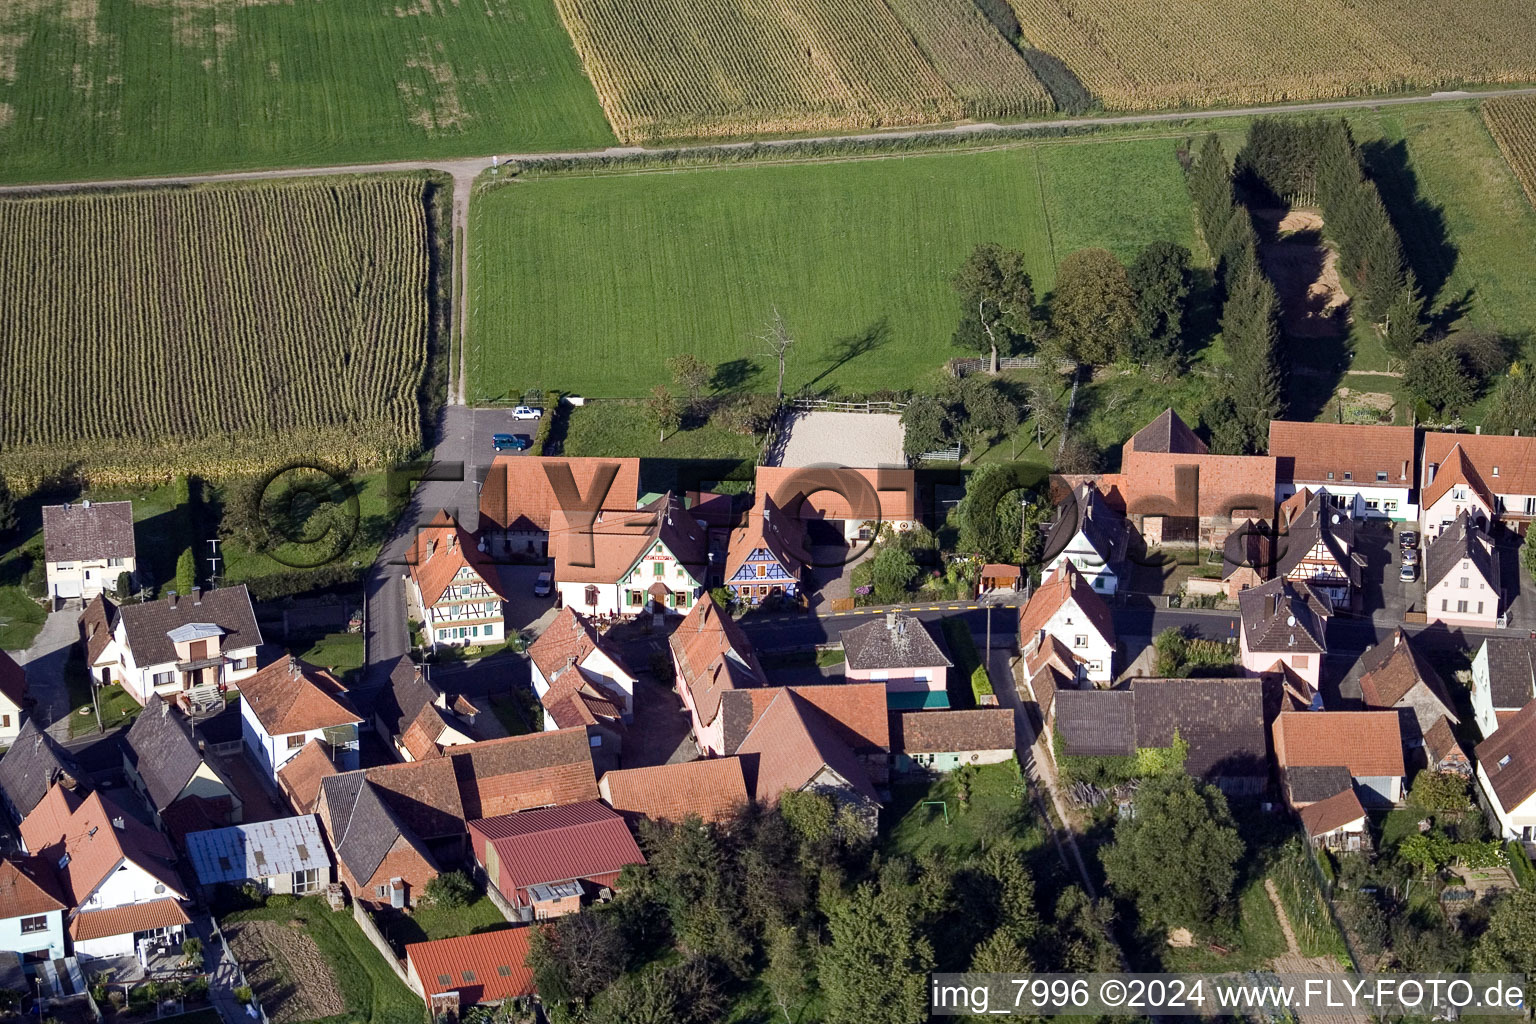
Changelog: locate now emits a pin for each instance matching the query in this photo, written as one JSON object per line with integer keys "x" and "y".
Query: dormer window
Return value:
{"x": 1504, "y": 761}
{"x": 1348, "y": 475}
{"x": 1381, "y": 475}
{"x": 1330, "y": 474}
{"x": 1495, "y": 470}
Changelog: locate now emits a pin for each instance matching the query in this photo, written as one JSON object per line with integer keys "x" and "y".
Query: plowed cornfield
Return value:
{"x": 1512, "y": 123}
{"x": 1149, "y": 54}
{"x": 212, "y": 330}
{"x": 695, "y": 68}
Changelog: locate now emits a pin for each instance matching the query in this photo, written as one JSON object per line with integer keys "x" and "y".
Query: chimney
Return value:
{"x": 890, "y": 621}
{"x": 441, "y": 700}
{"x": 901, "y": 627}
{"x": 173, "y": 597}
{"x": 165, "y": 708}
{"x": 197, "y": 595}
{"x": 1269, "y": 606}
{"x": 1397, "y": 638}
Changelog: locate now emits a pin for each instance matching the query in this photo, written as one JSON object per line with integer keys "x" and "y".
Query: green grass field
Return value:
{"x": 590, "y": 283}
{"x": 115, "y": 88}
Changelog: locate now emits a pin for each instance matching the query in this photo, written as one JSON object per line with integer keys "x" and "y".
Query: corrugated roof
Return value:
{"x": 257, "y": 850}
{"x": 135, "y": 917}
{"x": 714, "y": 789}
{"x": 485, "y": 967}
{"x": 558, "y": 844}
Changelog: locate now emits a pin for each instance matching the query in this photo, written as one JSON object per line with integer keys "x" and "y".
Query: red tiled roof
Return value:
{"x": 485, "y": 967}
{"x": 96, "y": 624}
{"x": 713, "y": 655}
{"x": 289, "y": 696}
{"x": 300, "y": 777}
{"x": 518, "y": 496}
{"x": 1065, "y": 584}
{"x": 1324, "y": 453}
{"x": 516, "y": 773}
{"x": 559, "y": 844}
{"x": 955, "y": 731}
{"x": 13, "y": 680}
{"x": 97, "y": 835}
{"x": 714, "y": 789}
{"x": 767, "y": 528}
{"x": 1393, "y": 668}
{"x": 857, "y": 712}
{"x": 1325, "y": 816}
{"x": 1368, "y": 743}
{"x": 135, "y": 917}
{"x": 790, "y": 744}
{"x": 440, "y": 550}
{"x": 570, "y": 637}
{"x": 1455, "y": 467}
{"x": 1515, "y": 458}
{"x": 609, "y": 548}
{"x": 27, "y": 887}
{"x": 890, "y": 495}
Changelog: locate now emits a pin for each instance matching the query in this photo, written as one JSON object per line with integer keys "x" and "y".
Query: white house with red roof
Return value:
{"x": 116, "y": 874}
{"x": 1367, "y": 469}
{"x": 289, "y": 703}
{"x": 1065, "y": 608}
{"x": 1496, "y": 472}
{"x": 711, "y": 655}
{"x": 31, "y": 909}
{"x": 654, "y": 558}
{"x": 455, "y": 586}
{"x": 1506, "y": 770}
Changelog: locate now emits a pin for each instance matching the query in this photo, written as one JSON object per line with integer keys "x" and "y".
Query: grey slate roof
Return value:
{"x": 261, "y": 849}
{"x": 1284, "y": 617}
{"x": 1316, "y": 523}
{"x": 32, "y": 764}
{"x": 875, "y": 645}
{"x": 1462, "y": 539}
{"x": 89, "y": 530}
{"x": 1310, "y": 783}
{"x": 401, "y": 701}
{"x": 1222, "y": 721}
{"x": 1167, "y": 433}
{"x": 363, "y": 826}
{"x": 160, "y": 747}
{"x": 1096, "y": 723}
{"x": 1511, "y": 671}
{"x": 147, "y": 625}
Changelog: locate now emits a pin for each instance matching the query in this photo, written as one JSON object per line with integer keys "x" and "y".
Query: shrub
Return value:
{"x": 981, "y": 683}
{"x": 1520, "y": 864}
{"x": 1439, "y": 791}
{"x": 192, "y": 948}
{"x": 452, "y": 890}
{"x": 281, "y": 900}
{"x": 197, "y": 988}
{"x": 723, "y": 597}
{"x": 745, "y": 414}
{"x": 243, "y": 995}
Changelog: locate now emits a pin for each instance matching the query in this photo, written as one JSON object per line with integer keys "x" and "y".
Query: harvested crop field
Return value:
{"x": 1512, "y": 123}
{"x": 213, "y": 330}
{"x": 1148, "y": 54}
{"x": 695, "y": 68}
{"x": 288, "y": 974}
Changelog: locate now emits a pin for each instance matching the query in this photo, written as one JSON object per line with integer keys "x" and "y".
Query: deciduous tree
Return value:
{"x": 989, "y": 411}
{"x": 1177, "y": 856}
{"x": 999, "y": 299}
{"x": 662, "y": 406}
{"x": 928, "y": 425}
{"x": 1093, "y": 309}
{"x": 7, "y": 507}
{"x": 1509, "y": 944}
{"x": 690, "y": 373}
{"x": 894, "y": 570}
{"x": 1513, "y": 409}
{"x": 1160, "y": 280}
{"x": 776, "y": 342}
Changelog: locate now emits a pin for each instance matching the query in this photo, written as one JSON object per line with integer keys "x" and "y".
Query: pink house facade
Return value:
{"x": 901, "y": 654}
{"x": 1283, "y": 627}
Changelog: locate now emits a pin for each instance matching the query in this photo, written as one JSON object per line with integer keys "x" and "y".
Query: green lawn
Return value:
{"x": 341, "y": 653}
{"x": 20, "y": 619}
{"x": 113, "y": 88}
{"x": 911, "y": 826}
{"x": 369, "y": 987}
{"x": 625, "y": 428}
{"x": 589, "y": 283}
{"x": 1258, "y": 940}
{"x": 428, "y": 922}
{"x": 117, "y": 708}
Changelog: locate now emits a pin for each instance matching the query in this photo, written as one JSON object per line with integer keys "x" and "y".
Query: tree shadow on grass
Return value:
{"x": 734, "y": 376}
{"x": 1420, "y": 224}
{"x": 877, "y": 335}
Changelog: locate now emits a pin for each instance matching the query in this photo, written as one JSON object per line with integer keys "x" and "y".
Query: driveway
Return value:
{"x": 521, "y": 608}
{"x": 44, "y": 662}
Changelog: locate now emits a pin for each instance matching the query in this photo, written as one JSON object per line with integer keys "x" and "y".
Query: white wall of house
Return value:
{"x": 1460, "y": 498}
{"x": 1101, "y": 576}
{"x": 630, "y": 593}
{"x": 1482, "y": 694}
{"x": 1517, "y": 822}
{"x": 272, "y": 752}
{"x": 85, "y": 579}
{"x": 1362, "y": 500}
{"x": 469, "y": 614}
{"x": 126, "y": 885}
{"x": 122, "y": 668}
{"x": 1463, "y": 598}
{"x": 10, "y": 721}
{"x": 1075, "y": 629}
{"x": 49, "y": 937}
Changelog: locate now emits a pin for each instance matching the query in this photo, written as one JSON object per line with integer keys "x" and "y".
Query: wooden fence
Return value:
{"x": 828, "y": 405}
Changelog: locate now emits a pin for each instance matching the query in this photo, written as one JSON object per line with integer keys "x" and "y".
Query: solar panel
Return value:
{"x": 469, "y": 976}
{"x": 443, "y": 979}
{"x": 504, "y": 971}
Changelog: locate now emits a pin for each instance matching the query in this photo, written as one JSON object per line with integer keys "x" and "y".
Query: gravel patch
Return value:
{"x": 862, "y": 440}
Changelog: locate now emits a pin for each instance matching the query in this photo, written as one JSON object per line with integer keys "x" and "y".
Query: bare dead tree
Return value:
{"x": 776, "y": 341}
